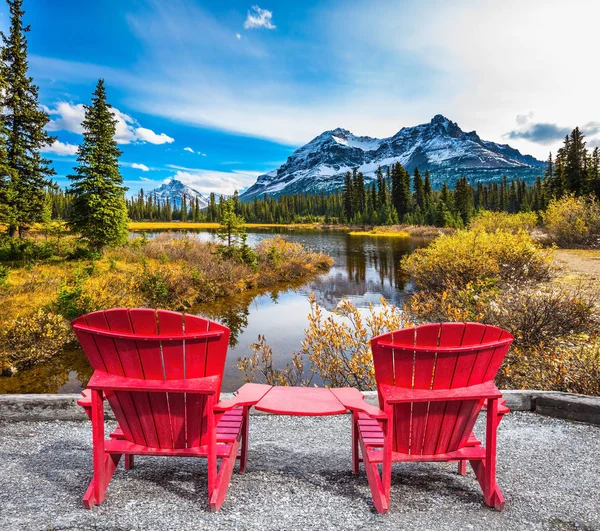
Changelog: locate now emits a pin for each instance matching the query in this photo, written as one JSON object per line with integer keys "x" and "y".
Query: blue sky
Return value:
{"x": 216, "y": 93}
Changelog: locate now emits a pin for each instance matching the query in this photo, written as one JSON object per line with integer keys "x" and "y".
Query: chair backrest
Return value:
{"x": 157, "y": 420}
{"x": 437, "y": 356}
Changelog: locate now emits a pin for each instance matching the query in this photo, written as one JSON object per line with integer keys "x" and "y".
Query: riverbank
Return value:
{"x": 170, "y": 272}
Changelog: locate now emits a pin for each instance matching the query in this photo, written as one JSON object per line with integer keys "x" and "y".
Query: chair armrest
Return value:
{"x": 502, "y": 408}
{"x": 396, "y": 395}
{"x": 103, "y": 381}
{"x": 354, "y": 400}
{"x": 247, "y": 395}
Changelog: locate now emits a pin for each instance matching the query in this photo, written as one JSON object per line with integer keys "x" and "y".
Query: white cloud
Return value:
{"x": 203, "y": 154}
{"x": 189, "y": 149}
{"x": 69, "y": 118}
{"x": 147, "y": 135}
{"x": 219, "y": 182}
{"x": 127, "y": 129}
{"x": 259, "y": 18}
{"x": 137, "y": 166}
{"x": 238, "y": 36}
{"x": 61, "y": 148}
{"x": 146, "y": 180}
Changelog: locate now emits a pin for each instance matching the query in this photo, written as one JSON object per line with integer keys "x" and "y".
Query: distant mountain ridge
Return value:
{"x": 174, "y": 191}
{"x": 439, "y": 146}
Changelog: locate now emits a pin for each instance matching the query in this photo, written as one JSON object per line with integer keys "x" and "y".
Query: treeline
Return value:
{"x": 395, "y": 196}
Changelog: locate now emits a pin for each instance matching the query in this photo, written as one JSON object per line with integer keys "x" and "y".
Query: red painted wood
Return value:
{"x": 475, "y": 392}
{"x": 118, "y": 321}
{"x": 103, "y": 380}
{"x": 442, "y": 375}
{"x": 247, "y": 395}
{"x": 195, "y": 367}
{"x": 426, "y": 336}
{"x": 144, "y": 322}
{"x": 398, "y": 345}
{"x": 403, "y": 377}
{"x": 171, "y": 324}
{"x": 161, "y": 373}
{"x": 353, "y": 400}
{"x": 121, "y": 402}
{"x": 178, "y": 336}
{"x": 301, "y": 401}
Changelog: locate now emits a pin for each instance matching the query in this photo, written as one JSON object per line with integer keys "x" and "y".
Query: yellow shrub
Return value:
{"x": 453, "y": 261}
{"x": 573, "y": 220}
{"x": 493, "y": 221}
{"x": 33, "y": 339}
{"x": 337, "y": 348}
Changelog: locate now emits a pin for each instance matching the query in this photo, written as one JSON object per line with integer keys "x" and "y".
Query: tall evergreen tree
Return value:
{"x": 575, "y": 172}
{"x": 419, "y": 189}
{"x": 98, "y": 211}
{"x": 28, "y": 172}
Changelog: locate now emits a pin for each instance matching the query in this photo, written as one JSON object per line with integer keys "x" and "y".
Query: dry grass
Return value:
{"x": 170, "y": 271}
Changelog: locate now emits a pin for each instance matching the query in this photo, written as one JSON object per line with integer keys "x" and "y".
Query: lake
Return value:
{"x": 365, "y": 270}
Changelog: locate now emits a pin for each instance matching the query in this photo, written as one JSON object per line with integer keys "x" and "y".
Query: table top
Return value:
{"x": 301, "y": 401}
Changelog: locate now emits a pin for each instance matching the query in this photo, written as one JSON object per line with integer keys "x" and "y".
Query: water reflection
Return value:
{"x": 365, "y": 270}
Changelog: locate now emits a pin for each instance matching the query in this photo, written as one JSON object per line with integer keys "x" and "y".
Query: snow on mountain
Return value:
{"x": 174, "y": 191}
{"x": 439, "y": 146}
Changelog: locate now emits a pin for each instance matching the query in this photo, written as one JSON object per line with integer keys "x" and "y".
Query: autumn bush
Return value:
{"x": 335, "y": 348}
{"x": 33, "y": 339}
{"x": 494, "y": 221}
{"x": 468, "y": 256}
{"x": 170, "y": 272}
{"x": 573, "y": 221}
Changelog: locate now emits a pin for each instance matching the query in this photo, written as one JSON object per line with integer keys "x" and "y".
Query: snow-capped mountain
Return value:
{"x": 439, "y": 146}
{"x": 174, "y": 191}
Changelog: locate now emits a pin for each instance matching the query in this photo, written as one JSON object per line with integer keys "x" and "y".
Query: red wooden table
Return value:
{"x": 301, "y": 401}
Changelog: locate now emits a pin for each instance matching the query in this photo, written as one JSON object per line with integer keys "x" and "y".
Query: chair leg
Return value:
{"x": 485, "y": 471}
{"x": 462, "y": 467}
{"x": 381, "y": 498}
{"x": 244, "y": 450}
{"x": 104, "y": 464}
{"x": 355, "y": 450}
{"x": 129, "y": 461}
{"x": 217, "y": 497}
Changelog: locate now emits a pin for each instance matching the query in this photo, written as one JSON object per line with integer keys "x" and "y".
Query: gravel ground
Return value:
{"x": 299, "y": 477}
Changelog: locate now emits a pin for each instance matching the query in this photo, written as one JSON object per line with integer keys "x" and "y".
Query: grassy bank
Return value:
{"x": 39, "y": 297}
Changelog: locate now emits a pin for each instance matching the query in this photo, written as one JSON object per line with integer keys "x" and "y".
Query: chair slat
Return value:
{"x": 403, "y": 377}
{"x": 118, "y": 320}
{"x": 426, "y": 336}
{"x": 171, "y": 323}
{"x": 144, "y": 321}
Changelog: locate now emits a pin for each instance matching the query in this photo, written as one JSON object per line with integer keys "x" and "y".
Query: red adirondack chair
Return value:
{"x": 161, "y": 373}
{"x": 432, "y": 382}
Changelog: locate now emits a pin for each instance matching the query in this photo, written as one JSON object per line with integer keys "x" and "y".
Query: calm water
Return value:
{"x": 365, "y": 270}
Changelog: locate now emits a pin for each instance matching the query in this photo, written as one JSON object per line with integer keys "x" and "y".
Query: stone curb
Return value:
{"x": 582, "y": 408}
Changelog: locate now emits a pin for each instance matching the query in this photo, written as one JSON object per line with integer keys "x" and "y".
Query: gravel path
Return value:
{"x": 299, "y": 477}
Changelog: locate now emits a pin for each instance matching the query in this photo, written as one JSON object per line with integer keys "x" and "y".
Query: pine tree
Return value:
{"x": 98, "y": 211}
{"x": 231, "y": 226}
{"x": 575, "y": 173}
{"x": 348, "y": 197}
{"x": 419, "y": 189}
{"x": 28, "y": 173}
